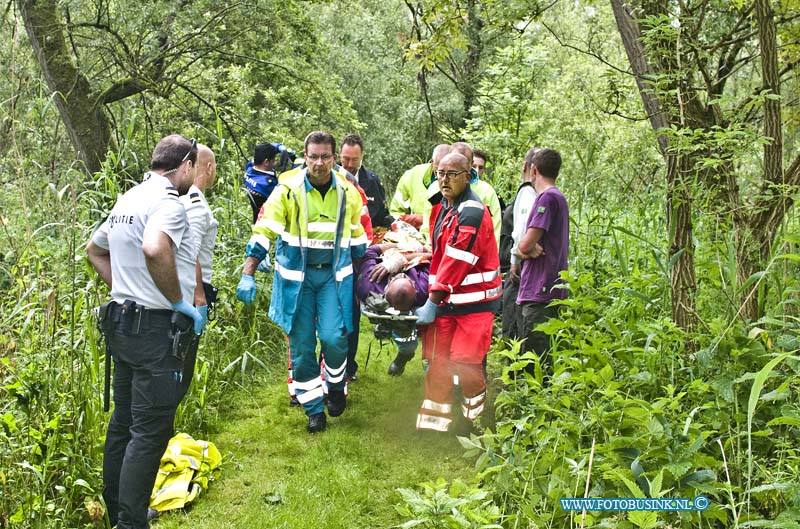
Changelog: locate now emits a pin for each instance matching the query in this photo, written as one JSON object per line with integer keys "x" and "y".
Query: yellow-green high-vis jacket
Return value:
{"x": 309, "y": 229}
{"x": 410, "y": 194}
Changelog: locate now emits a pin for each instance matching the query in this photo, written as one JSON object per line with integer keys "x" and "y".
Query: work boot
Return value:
{"x": 317, "y": 422}
{"x": 293, "y": 402}
{"x": 398, "y": 365}
{"x": 337, "y": 402}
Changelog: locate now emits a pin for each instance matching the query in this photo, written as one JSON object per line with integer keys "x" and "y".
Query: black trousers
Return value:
{"x": 147, "y": 387}
{"x": 532, "y": 314}
{"x": 188, "y": 369}
{"x": 511, "y": 311}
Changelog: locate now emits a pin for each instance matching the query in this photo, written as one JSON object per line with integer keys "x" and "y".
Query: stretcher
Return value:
{"x": 387, "y": 323}
{"x": 389, "y": 314}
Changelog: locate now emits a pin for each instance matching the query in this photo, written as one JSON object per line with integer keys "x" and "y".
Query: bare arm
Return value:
{"x": 100, "y": 260}
{"x": 199, "y": 291}
{"x": 250, "y": 265}
{"x": 529, "y": 245}
{"x": 160, "y": 260}
{"x": 385, "y": 246}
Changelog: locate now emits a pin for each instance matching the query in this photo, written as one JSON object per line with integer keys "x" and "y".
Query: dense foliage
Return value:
{"x": 630, "y": 410}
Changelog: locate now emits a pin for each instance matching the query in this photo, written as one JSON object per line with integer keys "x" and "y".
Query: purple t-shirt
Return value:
{"x": 550, "y": 213}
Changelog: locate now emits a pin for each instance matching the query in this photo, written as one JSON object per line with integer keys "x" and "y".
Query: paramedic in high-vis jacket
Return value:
{"x": 464, "y": 293}
{"x": 313, "y": 218}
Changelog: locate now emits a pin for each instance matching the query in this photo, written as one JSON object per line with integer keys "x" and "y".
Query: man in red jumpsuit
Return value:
{"x": 464, "y": 292}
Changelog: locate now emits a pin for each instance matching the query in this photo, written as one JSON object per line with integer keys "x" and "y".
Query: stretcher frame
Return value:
{"x": 384, "y": 317}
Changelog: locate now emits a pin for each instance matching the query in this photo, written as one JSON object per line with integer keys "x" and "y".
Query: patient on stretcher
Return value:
{"x": 392, "y": 281}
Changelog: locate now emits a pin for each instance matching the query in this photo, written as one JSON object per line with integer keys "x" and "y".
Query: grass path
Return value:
{"x": 275, "y": 475}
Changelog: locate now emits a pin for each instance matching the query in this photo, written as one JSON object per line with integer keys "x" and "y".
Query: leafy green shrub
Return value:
{"x": 454, "y": 506}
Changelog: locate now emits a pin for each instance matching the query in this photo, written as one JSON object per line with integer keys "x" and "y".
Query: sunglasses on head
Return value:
{"x": 194, "y": 144}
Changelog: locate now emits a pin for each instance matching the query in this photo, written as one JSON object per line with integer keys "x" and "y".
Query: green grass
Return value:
{"x": 277, "y": 475}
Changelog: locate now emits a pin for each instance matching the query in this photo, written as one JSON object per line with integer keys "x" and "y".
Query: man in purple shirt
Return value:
{"x": 544, "y": 249}
{"x": 403, "y": 283}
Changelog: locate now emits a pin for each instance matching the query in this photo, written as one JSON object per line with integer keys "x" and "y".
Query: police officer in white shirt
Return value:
{"x": 204, "y": 230}
{"x": 146, "y": 253}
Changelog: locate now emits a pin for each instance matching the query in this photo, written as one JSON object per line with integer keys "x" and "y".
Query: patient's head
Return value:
{"x": 400, "y": 292}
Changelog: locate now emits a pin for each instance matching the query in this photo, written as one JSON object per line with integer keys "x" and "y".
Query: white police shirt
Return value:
{"x": 153, "y": 205}
{"x": 204, "y": 228}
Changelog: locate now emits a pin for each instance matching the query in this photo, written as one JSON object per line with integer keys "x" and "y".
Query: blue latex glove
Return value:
{"x": 246, "y": 291}
{"x": 203, "y": 310}
{"x": 264, "y": 266}
{"x": 186, "y": 309}
{"x": 426, "y": 313}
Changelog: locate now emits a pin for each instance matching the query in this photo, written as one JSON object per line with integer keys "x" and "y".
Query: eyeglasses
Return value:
{"x": 191, "y": 149}
{"x": 446, "y": 175}
{"x": 314, "y": 158}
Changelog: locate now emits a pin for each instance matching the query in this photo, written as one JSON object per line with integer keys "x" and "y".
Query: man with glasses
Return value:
{"x": 402, "y": 279}
{"x": 315, "y": 217}
{"x": 366, "y": 223}
{"x": 482, "y": 189}
{"x": 146, "y": 253}
{"x": 464, "y": 294}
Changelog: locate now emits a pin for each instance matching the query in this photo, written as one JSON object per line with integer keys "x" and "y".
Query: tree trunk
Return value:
{"x": 631, "y": 34}
{"x": 679, "y": 224}
{"x": 679, "y": 195}
{"x": 80, "y": 109}
{"x": 472, "y": 64}
{"x": 756, "y": 232}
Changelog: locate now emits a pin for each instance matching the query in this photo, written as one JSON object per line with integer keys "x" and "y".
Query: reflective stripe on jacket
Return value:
{"x": 301, "y": 221}
{"x": 465, "y": 261}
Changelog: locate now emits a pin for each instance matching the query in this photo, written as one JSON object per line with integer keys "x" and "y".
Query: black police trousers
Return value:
{"x": 147, "y": 390}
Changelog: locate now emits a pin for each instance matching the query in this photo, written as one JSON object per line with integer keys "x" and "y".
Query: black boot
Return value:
{"x": 398, "y": 365}
{"x": 337, "y": 402}
{"x": 317, "y": 422}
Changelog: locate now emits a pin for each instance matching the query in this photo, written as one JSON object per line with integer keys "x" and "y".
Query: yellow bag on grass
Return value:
{"x": 186, "y": 468}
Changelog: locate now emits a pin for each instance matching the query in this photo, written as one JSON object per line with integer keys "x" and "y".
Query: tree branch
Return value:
{"x": 289, "y": 72}
{"x": 584, "y": 52}
{"x": 120, "y": 90}
{"x": 217, "y": 114}
{"x": 107, "y": 29}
